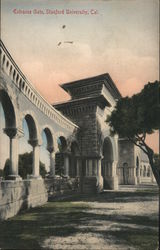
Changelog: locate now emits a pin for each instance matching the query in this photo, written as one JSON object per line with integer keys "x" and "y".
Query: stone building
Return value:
{"x": 78, "y": 139}
{"x": 106, "y": 161}
{"x": 78, "y": 136}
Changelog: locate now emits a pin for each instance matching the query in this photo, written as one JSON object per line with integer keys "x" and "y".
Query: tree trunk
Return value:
{"x": 155, "y": 171}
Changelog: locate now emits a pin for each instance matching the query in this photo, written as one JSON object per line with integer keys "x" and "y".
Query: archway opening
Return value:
{"x": 4, "y": 145}
{"x": 107, "y": 161}
{"x": 9, "y": 112}
{"x": 7, "y": 132}
{"x": 46, "y": 152}
{"x": 29, "y": 148}
{"x": 62, "y": 144}
{"x": 25, "y": 153}
{"x": 31, "y": 128}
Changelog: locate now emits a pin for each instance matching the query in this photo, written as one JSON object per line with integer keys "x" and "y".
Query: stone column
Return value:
{"x": 99, "y": 167}
{"x": 138, "y": 175}
{"x": 66, "y": 165}
{"x": 35, "y": 170}
{"x": 13, "y": 136}
{"x": 99, "y": 174}
{"x": 78, "y": 167}
{"x": 52, "y": 161}
{"x": 114, "y": 175}
{"x": 132, "y": 179}
{"x": 111, "y": 179}
{"x": 90, "y": 167}
{"x": 87, "y": 168}
{"x": 94, "y": 167}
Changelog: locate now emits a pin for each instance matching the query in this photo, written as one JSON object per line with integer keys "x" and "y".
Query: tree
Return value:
{"x": 157, "y": 161}
{"x": 24, "y": 166}
{"x": 136, "y": 116}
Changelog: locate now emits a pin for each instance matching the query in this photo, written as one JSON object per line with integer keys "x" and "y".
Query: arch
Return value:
{"x": 62, "y": 143}
{"x": 50, "y": 133}
{"x": 113, "y": 140}
{"x": 33, "y": 128}
{"x": 47, "y": 150}
{"x": 107, "y": 161}
{"x": 9, "y": 110}
{"x": 49, "y": 136}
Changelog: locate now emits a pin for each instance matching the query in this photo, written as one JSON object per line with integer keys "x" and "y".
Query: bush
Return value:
{"x": 24, "y": 166}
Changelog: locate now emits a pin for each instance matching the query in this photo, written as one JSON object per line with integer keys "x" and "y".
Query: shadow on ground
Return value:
{"x": 149, "y": 194}
{"x": 65, "y": 218}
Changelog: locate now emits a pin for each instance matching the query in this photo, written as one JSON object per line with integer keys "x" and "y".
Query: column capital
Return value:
{"x": 50, "y": 149}
{"x": 33, "y": 142}
{"x": 13, "y": 132}
{"x": 10, "y": 132}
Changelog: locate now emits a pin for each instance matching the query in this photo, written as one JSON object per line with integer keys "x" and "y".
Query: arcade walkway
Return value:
{"x": 126, "y": 219}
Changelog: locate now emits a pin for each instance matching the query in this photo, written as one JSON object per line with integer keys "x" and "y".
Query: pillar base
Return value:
{"x": 91, "y": 184}
{"x": 132, "y": 180}
{"x": 111, "y": 182}
{"x": 138, "y": 180}
{"x": 99, "y": 184}
{"x": 14, "y": 177}
{"x": 51, "y": 176}
{"x": 34, "y": 177}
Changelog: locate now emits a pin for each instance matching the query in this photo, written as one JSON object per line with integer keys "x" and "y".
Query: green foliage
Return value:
{"x": 136, "y": 116}
{"x": 43, "y": 171}
{"x": 25, "y": 166}
{"x": 139, "y": 114}
{"x": 157, "y": 161}
{"x": 1, "y": 173}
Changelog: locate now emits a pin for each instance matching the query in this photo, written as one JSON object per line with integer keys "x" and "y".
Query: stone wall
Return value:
{"x": 126, "y": 164}
{"x": 87, "y": 121}
{"x": 20, "y": 195}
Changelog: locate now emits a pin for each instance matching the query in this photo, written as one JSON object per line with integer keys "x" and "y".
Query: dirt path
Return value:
{"x": 125, "y": 220}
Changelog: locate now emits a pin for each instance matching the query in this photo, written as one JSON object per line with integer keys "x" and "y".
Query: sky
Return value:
{"x": 119, "y": 37}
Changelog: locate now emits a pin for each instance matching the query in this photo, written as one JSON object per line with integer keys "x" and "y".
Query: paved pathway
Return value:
{"x": 113, "y": 220}
{"x": 126, "y": 219}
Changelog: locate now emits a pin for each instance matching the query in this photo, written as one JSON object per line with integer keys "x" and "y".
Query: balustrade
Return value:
{"x": 12, "y": 70}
